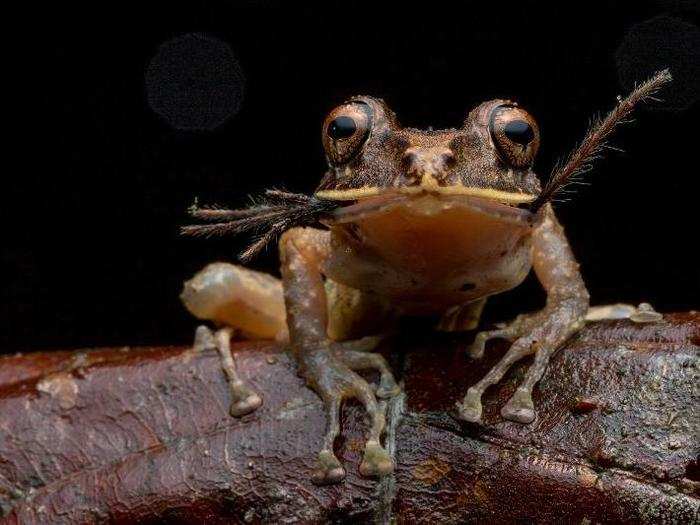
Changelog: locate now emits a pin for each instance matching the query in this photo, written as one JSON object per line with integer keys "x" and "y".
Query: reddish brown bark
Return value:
{"x": 142, "y": 435}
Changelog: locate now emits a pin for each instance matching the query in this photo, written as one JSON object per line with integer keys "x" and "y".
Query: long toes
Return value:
{"x": 470, "y": 408}
{"x": 245, "y": 405}
{"x": 376, "y": 461}
{"x": 519, "y": 408}
{"x": 329, "y": 469}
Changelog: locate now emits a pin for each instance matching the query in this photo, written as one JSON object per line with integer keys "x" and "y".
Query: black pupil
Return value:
{"x": 519, "y": 132}
{"x": 341, "y": 128}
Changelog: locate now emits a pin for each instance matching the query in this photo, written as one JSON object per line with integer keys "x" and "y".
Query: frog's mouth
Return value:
{"x": 429, "y": 185}
{"x": 430, "y": 204}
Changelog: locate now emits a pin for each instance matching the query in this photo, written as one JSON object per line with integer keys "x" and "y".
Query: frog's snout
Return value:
{"x": 420, "y": 164}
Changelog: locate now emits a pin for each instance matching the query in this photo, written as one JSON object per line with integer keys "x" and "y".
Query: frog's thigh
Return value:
{"x": 237, "y": 297}
{"x": 353, "y": 313}
{"x": 462, "y": 317}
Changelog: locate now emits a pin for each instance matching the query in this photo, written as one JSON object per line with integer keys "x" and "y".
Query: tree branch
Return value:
{"x": 143, "y": 435}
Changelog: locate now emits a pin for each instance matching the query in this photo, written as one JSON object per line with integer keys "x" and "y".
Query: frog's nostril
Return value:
{"x": 408, "y": 158}
{"x": 448, "y": 158}
{"x": 416, "y": 162}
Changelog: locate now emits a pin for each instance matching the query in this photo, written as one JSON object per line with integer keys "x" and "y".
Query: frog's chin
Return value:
{"x": 430, "y": 203}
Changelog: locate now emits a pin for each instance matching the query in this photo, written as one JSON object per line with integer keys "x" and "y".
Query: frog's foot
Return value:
{"x": 335, "y": 381}
{"x": 329, "y": 469}
{"x": 376, "y": 461}
{"x": 545, "y": 332}
{"x": 470, "y": 408}
{"x": 243, "y": 399}
{"x": 357, "y": 355}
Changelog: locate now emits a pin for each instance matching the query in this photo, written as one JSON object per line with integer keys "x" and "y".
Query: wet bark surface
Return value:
{"x": 143, "y": 435}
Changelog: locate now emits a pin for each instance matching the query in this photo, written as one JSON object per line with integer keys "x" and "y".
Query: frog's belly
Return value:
{"x": 425, "y": 262}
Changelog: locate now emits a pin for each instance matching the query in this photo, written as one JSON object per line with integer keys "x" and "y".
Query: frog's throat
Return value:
{"x": 506, "y": 197}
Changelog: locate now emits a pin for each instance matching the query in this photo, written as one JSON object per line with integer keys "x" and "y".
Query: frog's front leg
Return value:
{"x": 540, "y": 333}
{"x": 303, "y": 251}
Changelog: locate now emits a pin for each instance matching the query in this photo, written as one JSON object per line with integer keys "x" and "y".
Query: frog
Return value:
{"x": 405, "y": 222}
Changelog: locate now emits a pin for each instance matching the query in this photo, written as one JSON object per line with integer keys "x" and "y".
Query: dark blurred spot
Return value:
{"x": 659, "y": 43}
{"x": 584, "y": 405}
{"x": 194, "y": 82}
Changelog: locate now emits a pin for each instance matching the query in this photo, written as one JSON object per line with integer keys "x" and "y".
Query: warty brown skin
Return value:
{"x": 430, "y": 224}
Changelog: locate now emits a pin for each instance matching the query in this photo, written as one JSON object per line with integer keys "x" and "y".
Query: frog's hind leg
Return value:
{"x": 643, "y": 313}
{"x": 235, "y": 298}
{"x": 244, "y": 400}
{"x": 231, "y": 295}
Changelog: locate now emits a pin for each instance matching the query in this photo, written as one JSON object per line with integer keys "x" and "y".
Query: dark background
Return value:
{"x": 137, "y": 110}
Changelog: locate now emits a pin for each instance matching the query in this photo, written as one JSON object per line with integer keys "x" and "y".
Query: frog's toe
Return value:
{"x": 388, "y": 389}
{"x": 203, "y": 339}
{"x": 247, "y": 404}
{"x": 329, "y": 469}
{"x": 476, "y": 349}
{"x": 360, "y": 360}
{"x": 519, "y": 408}
{"x": 376, "y": 461}
{"x": 470, "y": 408}
{"x": 387, "y": 385}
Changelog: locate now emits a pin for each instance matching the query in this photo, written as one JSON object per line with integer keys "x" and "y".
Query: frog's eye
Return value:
{"x": 346, "y": 130}
{"x": 515, "y": 134}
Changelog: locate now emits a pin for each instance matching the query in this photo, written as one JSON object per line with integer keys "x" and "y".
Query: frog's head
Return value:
{"x": 375, "y": 164}
{"x": 370, "y": 154}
